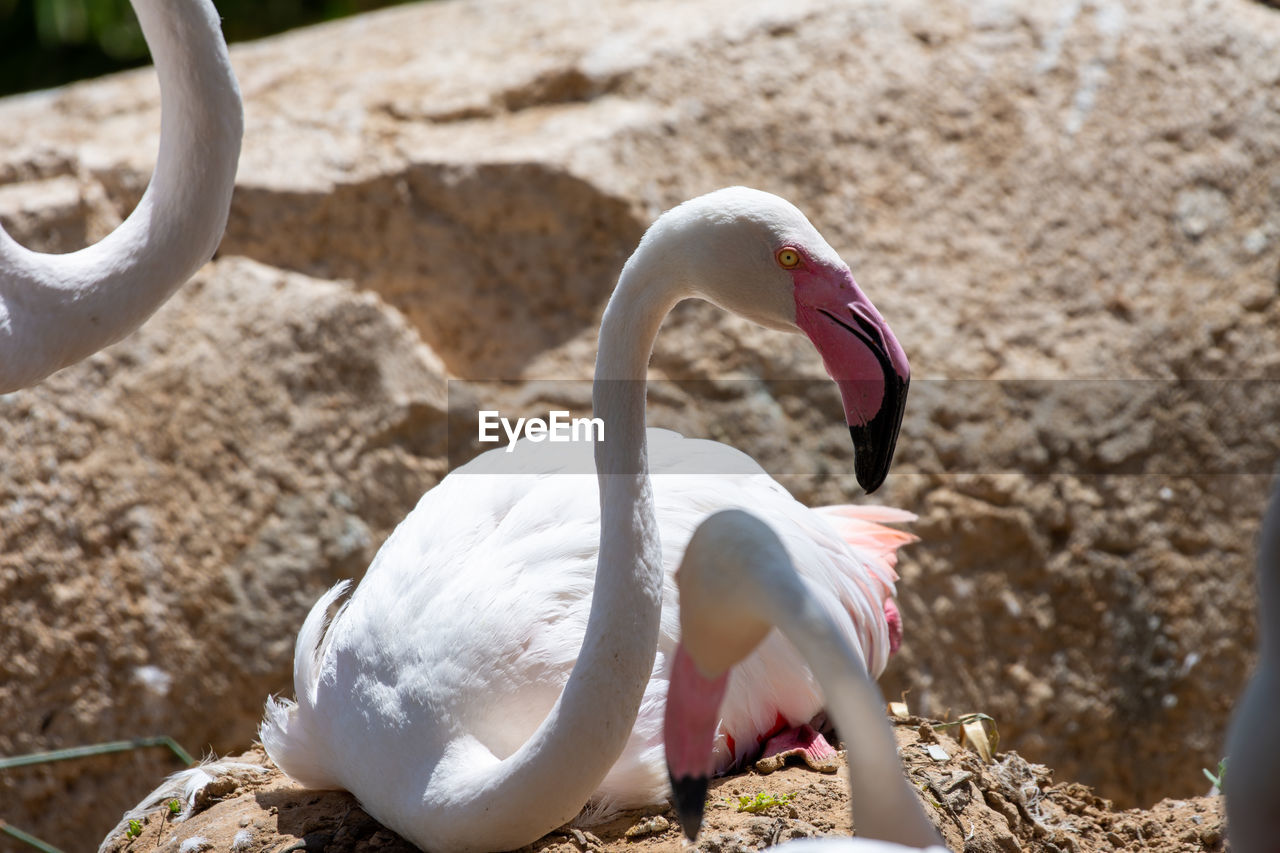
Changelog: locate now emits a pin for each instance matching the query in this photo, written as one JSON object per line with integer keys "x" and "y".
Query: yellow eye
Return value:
{"x": 788, "y": 258}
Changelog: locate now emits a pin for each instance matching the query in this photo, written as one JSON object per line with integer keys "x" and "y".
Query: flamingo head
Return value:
{"x": 757, "y": 255}
{"x": 860, "y": 353}
{"x": 734, "y": 574}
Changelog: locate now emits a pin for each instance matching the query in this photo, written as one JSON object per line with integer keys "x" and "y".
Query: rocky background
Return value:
{"x": 1064, "y": 190}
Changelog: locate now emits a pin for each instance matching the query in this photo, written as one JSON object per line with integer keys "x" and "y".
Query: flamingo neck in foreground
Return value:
{"x": 737, "y": 580}
{"x": 884, "y": 805}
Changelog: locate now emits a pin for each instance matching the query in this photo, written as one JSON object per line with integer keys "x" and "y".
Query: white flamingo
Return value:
{"x": 482, "y": 682}
{"x": 58, "y": 309}
{"x": 1253, "y": 741}
{"x": 736, "y": 584}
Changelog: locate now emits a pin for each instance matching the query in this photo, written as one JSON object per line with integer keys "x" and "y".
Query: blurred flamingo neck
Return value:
{"x": 883, "y": 803}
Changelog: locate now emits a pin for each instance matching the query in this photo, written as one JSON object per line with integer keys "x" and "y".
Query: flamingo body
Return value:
{"x": 470, "y": 619}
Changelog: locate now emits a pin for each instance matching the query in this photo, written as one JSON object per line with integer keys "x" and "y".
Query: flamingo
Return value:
{"x": 495, "y": 669}
{"x": 1253, "y": 744}
{"x": 58, "y": 309}
{"x": 736, "y": 584}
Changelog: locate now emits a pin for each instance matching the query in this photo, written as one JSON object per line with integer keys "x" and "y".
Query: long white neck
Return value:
{"x": 549, "y": 779}
{"x": 58, "y": 309}
{"x": 883, "y": 803}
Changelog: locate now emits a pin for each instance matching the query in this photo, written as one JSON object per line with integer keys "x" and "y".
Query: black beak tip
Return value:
{"x": 868, "y": 465}
{"x": 690, "y": 800}
{"x": 875, "y": 441}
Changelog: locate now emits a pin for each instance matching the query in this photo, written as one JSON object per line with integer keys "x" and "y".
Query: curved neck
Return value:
{"x": 548, "y": 780}
{"x": 883, "y": 803}
{"x": 58, "y": 309}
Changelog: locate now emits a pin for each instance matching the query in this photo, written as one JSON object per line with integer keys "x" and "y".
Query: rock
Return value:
{"x": 649, "y": 826}
{"x": 729, "y": 842}
{"x": 179, "y": 502}
{"x": 1027, "y": 193}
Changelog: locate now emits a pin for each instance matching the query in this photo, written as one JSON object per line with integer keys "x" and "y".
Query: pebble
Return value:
{"x": 649, "y": 826}
{"x": 586, "y": 840}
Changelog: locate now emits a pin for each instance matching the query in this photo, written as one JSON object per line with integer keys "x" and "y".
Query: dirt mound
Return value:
{"x": 1000, "y": 807}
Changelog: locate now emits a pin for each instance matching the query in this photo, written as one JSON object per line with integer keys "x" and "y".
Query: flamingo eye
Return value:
{"x": 788, "y": 258}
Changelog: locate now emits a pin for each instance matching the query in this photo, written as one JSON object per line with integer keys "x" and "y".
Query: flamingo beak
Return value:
{"x": 875, "y": 440}
{"x": 867, "y": 363}
{"x": 689, "y": 729}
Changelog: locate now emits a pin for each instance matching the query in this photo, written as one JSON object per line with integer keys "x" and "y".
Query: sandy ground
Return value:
{"x": 1005, "y": 805}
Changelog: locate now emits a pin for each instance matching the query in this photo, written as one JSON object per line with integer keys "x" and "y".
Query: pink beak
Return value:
{"x": 864, "y": 358}
{"x": 689, "y": 730}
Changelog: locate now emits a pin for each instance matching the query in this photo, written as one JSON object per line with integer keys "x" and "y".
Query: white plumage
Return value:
{"x": 476, "y": 606}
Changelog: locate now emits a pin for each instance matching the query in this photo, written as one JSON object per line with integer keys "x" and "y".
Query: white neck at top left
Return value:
{"x": 58, "y": 309}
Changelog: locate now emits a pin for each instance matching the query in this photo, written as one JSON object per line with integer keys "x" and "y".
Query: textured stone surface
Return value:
{"x": 1048, "y": 190}
{"x": 177, "y": 505}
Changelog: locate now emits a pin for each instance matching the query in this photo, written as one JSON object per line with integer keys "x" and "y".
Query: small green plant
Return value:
{"x": 134, "y": 830}
{"x": 1220, "y": 780}
{"x": 175, "y": 806}
{"x": 761, "y": 802}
